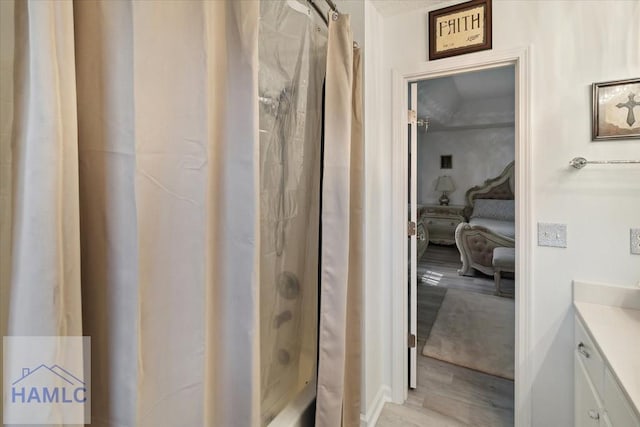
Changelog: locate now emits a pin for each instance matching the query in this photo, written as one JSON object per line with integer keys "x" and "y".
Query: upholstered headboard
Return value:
{"x": 500, "y": 187}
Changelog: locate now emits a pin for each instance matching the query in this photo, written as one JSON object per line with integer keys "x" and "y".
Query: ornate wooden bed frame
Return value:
{"x": 476, "y": 243}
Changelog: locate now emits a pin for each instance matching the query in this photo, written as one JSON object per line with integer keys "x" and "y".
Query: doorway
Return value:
{"x": 461, "y": 188}
{"x": 403, "y": 319}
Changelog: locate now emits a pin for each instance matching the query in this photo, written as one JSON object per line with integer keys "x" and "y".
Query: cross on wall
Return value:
{"x": 630, "y": 104}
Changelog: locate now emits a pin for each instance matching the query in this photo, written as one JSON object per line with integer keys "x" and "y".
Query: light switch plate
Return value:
{"x": 635, "y": 241}
{"x": 554, "y": 235}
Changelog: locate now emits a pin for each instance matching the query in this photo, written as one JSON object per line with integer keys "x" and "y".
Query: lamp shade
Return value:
{"x": 445, "y": 183}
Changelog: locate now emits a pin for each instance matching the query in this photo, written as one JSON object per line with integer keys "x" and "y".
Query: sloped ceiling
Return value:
{"x": 494, "y": 83}
{"x": 485, "y": 95}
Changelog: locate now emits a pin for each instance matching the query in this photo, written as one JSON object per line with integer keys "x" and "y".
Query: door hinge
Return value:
{"x": 412, "y": 341}
{"x": 411, "y": 228}
{"x": 412, "y": 116}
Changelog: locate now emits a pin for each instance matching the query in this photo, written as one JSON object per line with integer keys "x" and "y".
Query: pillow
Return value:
{"x": 504, "y": 210}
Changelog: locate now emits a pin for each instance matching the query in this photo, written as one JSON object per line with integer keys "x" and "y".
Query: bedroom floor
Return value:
{"x": 449, "y": 395}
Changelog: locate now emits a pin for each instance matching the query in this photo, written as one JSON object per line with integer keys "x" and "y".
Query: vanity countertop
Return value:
{"x": 616, "y": 332}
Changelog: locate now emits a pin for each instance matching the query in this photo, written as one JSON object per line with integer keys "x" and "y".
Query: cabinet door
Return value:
{"x": 587, "y": 403}
{"x": 618, "y": 407}
{"x": 590, "y": 356}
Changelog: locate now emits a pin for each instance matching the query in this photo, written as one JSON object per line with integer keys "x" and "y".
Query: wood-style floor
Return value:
{"x": 449, "y": 395}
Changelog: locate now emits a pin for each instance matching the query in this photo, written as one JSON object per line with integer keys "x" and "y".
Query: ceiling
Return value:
{"x": 450, "y": 99}
{"x": 397, "y": 7}
{"x": 493, "y": 83}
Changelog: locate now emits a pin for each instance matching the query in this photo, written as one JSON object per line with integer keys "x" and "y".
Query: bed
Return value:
{"x": 490, "y": 212}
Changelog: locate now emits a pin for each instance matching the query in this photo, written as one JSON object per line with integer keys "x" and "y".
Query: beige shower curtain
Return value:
{"x": 129, "y": 200}
{"x": 129, "y": 204}
{"x": 339, "y": 363}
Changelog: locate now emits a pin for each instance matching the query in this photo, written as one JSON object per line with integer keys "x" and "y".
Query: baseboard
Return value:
{"x": 371, "y": 417}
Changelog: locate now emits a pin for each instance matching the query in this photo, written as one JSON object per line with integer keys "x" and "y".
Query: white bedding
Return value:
{"x": 506, "y": 228}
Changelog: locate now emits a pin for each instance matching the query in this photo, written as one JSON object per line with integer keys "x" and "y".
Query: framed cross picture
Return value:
{"x": 616, "y": 109}
{"x": 459, "y": 29}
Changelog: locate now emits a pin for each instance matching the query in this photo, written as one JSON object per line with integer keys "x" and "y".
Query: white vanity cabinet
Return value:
{"x": 599, "y": 399}
{"x": 588, "y": 407}
{"x": 618, "y": 408}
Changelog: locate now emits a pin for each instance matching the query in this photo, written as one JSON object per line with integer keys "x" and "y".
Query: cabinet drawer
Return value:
{"x": 442, "y": 211}
{"x": 442, "y": 232}
{"x": 587, "y": 352}
{"x": 587, "y": 406}
{"x": 617, "y": 406}
{"x": 442, "y": 225}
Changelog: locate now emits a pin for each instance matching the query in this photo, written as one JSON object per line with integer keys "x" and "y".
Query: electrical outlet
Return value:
{"x": 635, "y": 241}
{"x": 553, "y": 235}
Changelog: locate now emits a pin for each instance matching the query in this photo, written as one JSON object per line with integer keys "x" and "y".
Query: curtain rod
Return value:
{"x": 332, "y": 7}
{"x": 580, "y": 162}
{"x": 319, "y": 12}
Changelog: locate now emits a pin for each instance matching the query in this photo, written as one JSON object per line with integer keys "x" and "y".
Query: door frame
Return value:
{"x": 524, "y": 211}
{"x": 412, "y": 147}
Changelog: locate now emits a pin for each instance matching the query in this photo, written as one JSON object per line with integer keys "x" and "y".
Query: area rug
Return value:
{"x": 429, "y": 301}
{"x": 475, "y": 331}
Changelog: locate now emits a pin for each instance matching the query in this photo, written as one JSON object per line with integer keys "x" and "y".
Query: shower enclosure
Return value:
{"x": 292, "y": 52}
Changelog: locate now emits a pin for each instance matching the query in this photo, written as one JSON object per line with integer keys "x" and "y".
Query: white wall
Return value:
{"x": 377, "y": 311}
{"x": 474, "y": 124}
{"x": 477, "y": 154}
{"x": 573, "y": 44}
{"x": 355, "y": 9}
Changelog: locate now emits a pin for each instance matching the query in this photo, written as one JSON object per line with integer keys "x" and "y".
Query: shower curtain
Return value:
{"x": 339, "y": 354}
{"x": 130, "y": 200}
{"x": 130, "y": 204}
{"x": 292, "y": 50}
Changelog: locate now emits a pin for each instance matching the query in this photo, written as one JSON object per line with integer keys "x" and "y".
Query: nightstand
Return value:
{"x": 442, "y": 222}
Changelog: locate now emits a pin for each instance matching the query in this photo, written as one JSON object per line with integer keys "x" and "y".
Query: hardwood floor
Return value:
{"x": 449, "y": 395}
{"x": 439, "y": 267}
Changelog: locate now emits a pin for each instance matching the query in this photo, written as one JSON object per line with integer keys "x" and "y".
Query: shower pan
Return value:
{"x": 292, "y": 50}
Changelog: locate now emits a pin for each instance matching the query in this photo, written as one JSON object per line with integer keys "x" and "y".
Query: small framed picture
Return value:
{"x": 445, "y": 162}
{"x": 616, "y": 109}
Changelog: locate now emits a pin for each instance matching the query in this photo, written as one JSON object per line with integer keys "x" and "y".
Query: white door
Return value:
{"x": 413, "y": 220}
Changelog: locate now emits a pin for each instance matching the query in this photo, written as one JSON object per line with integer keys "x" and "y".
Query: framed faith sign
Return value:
{"x": 459, "y": 29}
{"x": 616, "y": 109}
